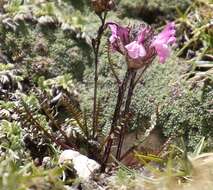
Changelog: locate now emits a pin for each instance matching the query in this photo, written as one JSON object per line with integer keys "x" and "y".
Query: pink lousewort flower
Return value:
{"x": 139, "y": 44}
{"x": 136, "y": 49}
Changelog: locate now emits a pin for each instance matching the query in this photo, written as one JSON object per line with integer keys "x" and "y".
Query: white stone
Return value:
{"x": 66, "y": 27}
{"x": 43, "y": 20}
{"x": 84, "y": 166}
{"x": 18, "y": 17}
{"x": 67, "y": 155}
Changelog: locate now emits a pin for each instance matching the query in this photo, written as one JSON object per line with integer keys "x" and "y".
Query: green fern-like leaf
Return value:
{"x": 76, "y": 114}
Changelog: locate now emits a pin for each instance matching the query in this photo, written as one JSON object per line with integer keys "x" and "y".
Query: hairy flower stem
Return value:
{"x": 132, "y": 85}
{"x": 126, "y": 111}
{"x": 116, "y": 116}
{"x": 96, "y": 48}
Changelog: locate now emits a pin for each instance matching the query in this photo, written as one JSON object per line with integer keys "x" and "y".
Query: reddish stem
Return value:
{"x": 96, "y": 49}
{"x": 116, "y": 116}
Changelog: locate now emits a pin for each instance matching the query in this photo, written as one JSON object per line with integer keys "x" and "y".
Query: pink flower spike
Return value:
{"x": 163, "y": 39}
{"x": 135, "y": 50}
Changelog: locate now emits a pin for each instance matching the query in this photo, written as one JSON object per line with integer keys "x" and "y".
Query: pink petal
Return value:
{"x": 144, "y": 31}
{"x": 171, "y": 40}
{"x": 168, "y": 34}
{"x": 141, "y": 35}
{"x": 170, "y": 27}
{"x": 162, "y": 51}
{"x": 135, "y": 50}
{"x": 114, "y": 33}
{"x": 118, "y": 32}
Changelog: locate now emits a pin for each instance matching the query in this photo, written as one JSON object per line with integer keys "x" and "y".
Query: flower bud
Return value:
{"x": 110, "y": 5}
{"x": 100, "y": 6}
